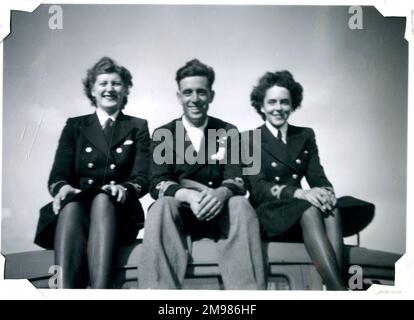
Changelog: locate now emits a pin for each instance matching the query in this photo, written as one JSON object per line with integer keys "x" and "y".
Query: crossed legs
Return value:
{"x": 320, "y": 248}
{"x": 80, "y": 235}
{"x": 333, "y": 225}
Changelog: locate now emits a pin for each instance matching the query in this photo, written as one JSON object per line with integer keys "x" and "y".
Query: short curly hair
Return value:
{"x": 106, "y": 65}
{"x": 195, "y": 68}
{"x": 279, "y": 78}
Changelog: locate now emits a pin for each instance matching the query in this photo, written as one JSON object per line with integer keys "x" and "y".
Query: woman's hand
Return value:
{"x": 61, "y": 195}
{"x": 117, "y": 191}
{"x": 323, "y": 199}
{"x": 330, "y": 197}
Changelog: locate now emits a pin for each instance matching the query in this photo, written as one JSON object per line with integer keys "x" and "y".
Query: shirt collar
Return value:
{"x": 189, "y": 127}
{"x": 103, "y": 116}
{"x": 273, "y": 130}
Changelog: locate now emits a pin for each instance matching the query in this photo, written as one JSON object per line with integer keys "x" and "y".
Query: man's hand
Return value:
{"x": 191, "y": 197}
{"x": 61, "y": 195}
{"x": 212, "y": 202}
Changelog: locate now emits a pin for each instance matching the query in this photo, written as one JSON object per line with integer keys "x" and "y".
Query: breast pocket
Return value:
{"x": 124, "y": 152}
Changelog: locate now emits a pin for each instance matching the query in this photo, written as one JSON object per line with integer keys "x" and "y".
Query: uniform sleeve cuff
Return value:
{"x": 55, "y": 187}
{"x": 288, "y": 192}
{"x": 171, "y": 190}
{"x": 133, "y": 188}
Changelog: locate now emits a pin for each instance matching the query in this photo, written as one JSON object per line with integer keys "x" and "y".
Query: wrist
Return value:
{"x": 183, "y": 195}
{"x": 227, "y": 193}
{"x": 65, "y": 188}
{"x": 55, "y": 187}
{"x": 299, "y": 194}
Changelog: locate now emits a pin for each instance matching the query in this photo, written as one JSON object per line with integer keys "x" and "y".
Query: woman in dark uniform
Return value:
{"x": 289, "y": 153}
{"x": 99, "y": 173}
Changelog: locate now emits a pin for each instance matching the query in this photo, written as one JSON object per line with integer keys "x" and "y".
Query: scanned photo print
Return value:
{"x": 213, "y": 147}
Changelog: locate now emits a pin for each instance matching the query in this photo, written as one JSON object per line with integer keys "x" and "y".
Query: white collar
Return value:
{"x": 196, "y": 134}
{"x": 190, "y": 127}
{"x": 282, "y": 129}
{"x": 103, "y": 116}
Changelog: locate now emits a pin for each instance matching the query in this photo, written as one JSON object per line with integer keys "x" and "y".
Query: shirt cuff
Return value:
{"x": 167, "y": 188}
{"x": 235, "y": 185}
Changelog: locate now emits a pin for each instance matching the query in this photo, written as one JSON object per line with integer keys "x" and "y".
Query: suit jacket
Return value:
{"x": 85, "y": 160}
{"x": 170, "y": 143}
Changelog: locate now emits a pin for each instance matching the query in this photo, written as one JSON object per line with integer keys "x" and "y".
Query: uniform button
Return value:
{"x": 210, "y": 183}
{"x": 90, "y": 165}
{"x": 274, "y": 164}
{"x": 294, "y": 176}
{"x": 90, "y": 181}
{"x": 119, "y": 150}
{"x": 112, "y": 166}
{"x": 88, "y": 149}
{"x": 298, "y": 161}
{"x": 112, "y": 182}
{"x": 306, "y": 151}
{"x": 277, "y": 178}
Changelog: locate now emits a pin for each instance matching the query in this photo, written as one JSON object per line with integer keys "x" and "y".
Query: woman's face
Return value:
{"x": 109, "y": 92}
{"x": 277, "y": 105}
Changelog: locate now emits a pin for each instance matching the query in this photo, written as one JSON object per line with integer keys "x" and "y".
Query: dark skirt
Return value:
{"x": 279, "y": 219}
{"x": 130, "y": 213}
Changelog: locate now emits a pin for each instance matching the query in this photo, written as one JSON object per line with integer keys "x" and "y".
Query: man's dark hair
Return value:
{"x": 195, "y": 68}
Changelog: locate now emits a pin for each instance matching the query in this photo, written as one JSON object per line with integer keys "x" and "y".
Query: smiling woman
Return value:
{"x": 107, "y": 85}
{"x": 109, "y": 92}
{"x": 290, "y": 153}
{"x": 100, "y": 169}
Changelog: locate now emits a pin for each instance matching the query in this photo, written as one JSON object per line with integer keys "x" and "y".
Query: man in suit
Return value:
{"x": 198, "y": 194}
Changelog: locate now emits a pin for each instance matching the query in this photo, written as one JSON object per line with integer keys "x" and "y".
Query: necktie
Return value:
{"x": 279, "y": 136}
{"x": 107, "y": 129}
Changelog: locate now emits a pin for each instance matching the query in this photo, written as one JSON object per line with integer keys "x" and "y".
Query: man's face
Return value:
{"x": 195, "y": 95}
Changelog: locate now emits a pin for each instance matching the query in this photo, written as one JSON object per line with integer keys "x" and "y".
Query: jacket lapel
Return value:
{"x": 92, "y": 130}
{"x": 276, "y": 149}
{"x": 180, "y": 143}
{"x": 295, "y": 141}
{"x": 122, "y": 127}
{"x": 213, "y": 125}
{"x": 182, "y": 139}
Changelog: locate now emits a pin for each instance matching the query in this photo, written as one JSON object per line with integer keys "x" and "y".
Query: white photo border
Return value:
{"x": 404, "y": 279}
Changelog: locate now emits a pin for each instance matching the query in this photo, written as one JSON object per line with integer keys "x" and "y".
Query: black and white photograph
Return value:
{"x": 196, "y": 146}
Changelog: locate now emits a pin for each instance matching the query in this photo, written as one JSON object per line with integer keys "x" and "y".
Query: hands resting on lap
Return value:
{"x": 206, "y": 204}
{"x": 322, "y": 198}
{"x": 115, "y": 190}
